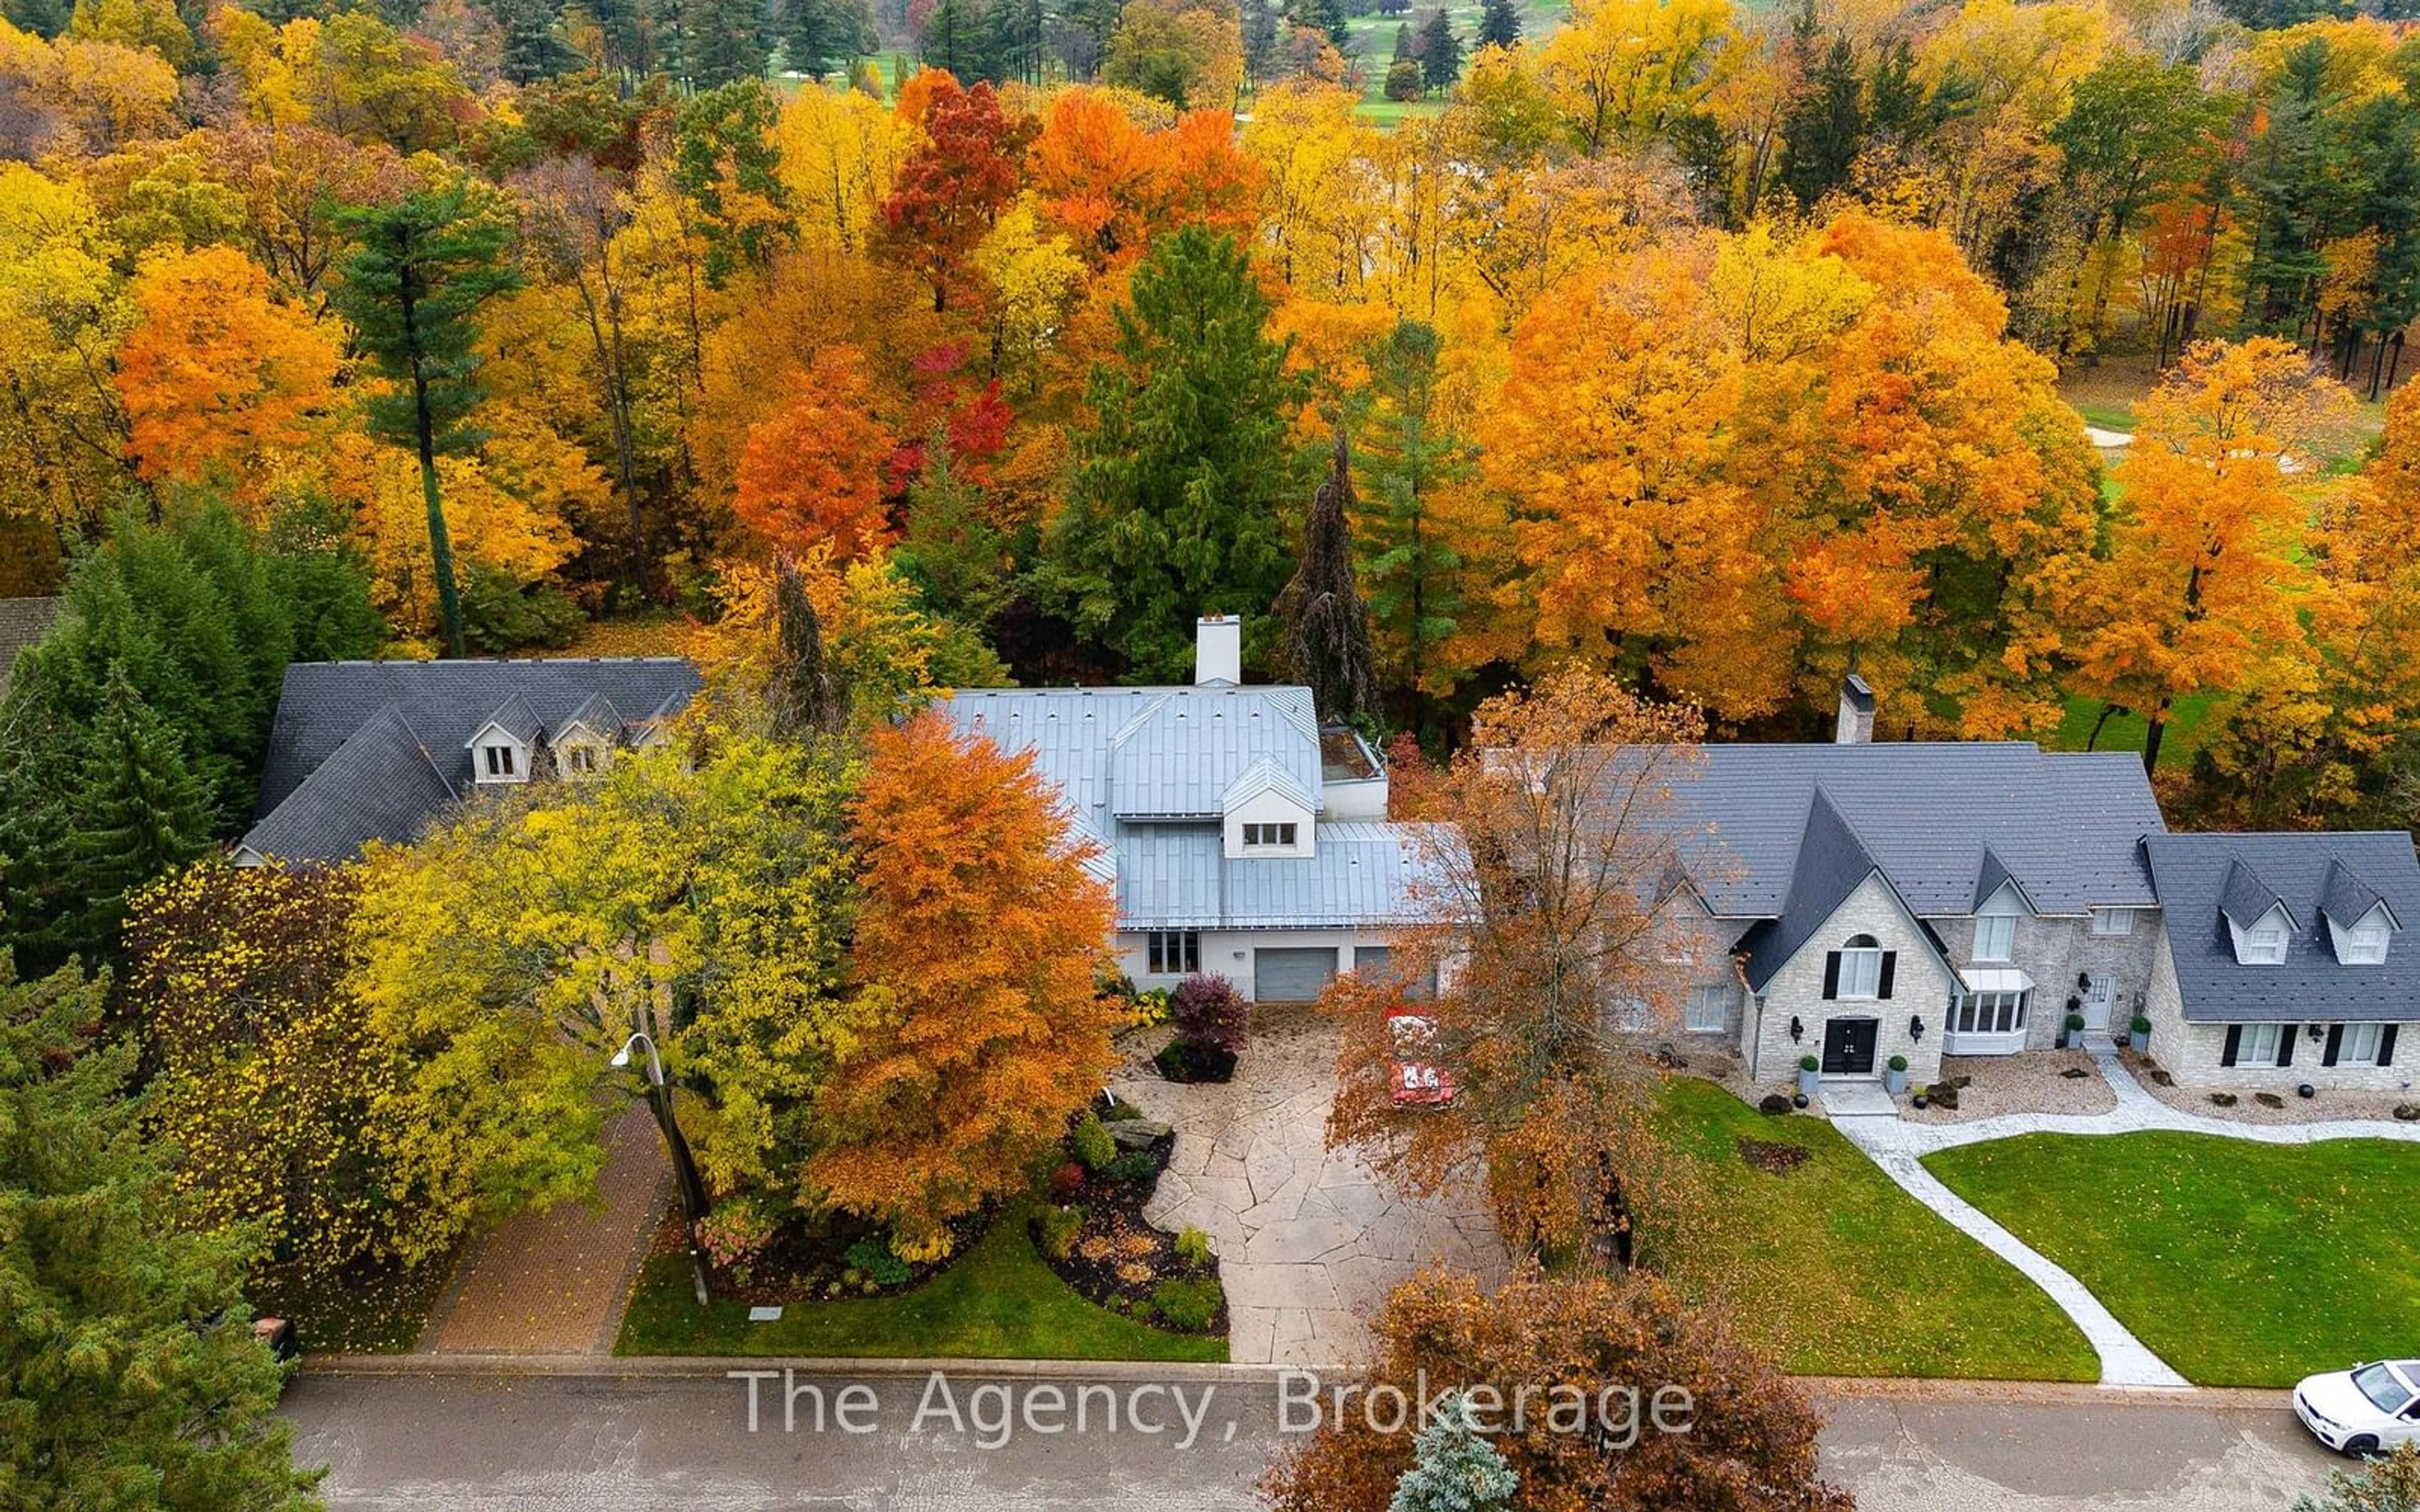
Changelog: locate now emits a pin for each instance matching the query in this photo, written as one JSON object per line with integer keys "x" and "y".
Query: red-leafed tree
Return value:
{"x": 813, "y": 473}
{"x": 953, "y": 187}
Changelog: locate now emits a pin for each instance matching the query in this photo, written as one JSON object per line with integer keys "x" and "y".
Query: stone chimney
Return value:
{"x": 1857, "y": 726}
{"x": 1218, "y": 652}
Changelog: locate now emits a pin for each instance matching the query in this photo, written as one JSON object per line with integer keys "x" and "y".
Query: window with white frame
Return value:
{"x": 1861, "y": 967}
{"x": 582, "y": 759}
{"x": 1709, "y": 1011}
{"x": 2113, "y": 921}
{"x": 1990, "y": 1012}
{"x": 1172, "y": 952}
{"x": 2361, "y": 1043}
{"x": 2264, "y": 943}
{"x": 498, "y": 763}
{"x": 2365, "y": 944}
{"x": 1260, "y": 837}
{"x": 2258, "y": 1045}
{"x": 1995, "y": 927}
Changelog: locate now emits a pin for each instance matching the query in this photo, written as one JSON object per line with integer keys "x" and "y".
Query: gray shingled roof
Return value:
{"x": 1177, "y": 876}
{"x": 22, "y": 622}
{"x": 2193, "y": 873}
{"x": 2063, "y": 824}
{"x": 2245, "y": 900}
{"x": 381, "y": 784}
{"x": 1833, "y": 861}
{"x": 515, "y": 717}
{"x": 2347, "y": 900}
{"x": 597, "y": 716}
{"x": 314, "y": 807}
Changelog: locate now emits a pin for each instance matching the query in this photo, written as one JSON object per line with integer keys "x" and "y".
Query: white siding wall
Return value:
{"x": 1229, "y": 952}
{"x": 1270, "y": 809}
{"x": 2191, "y": 1052}
{"x": 1919, "y": 989}
{"x": 1362, "y": 800}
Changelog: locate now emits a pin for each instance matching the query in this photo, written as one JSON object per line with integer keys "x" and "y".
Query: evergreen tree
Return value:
{"x": 531, "y": 49}
{"x": 1260, "y": 36}
{"x": 1407, "y": 562}
{"x": 1440, "y": 51}
{"x": 1323, "y": 16}
{"x": 1453, "y": 1468}
{"x": 1825, "y": 125}
{"x": 1404, "y": 46}
{"x": 1327, "y": 630}
{"x": 128, "y": 1375}
{"x": 138, "y": 812}
{"x": 723, "y": 140}
{"x": 1181, "y": 481}
{"x": 820, "y": 35}
{"x": 421, "y": 268}
{"x": 1500, "y": 23}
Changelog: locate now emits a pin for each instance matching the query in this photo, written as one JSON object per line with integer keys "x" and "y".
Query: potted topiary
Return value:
{"x": 2138, "y": 1034}
{"x": 2074, "y": 1040}
{"x": 1895, "y": 1075}
{"x": 1809, "y": 1075}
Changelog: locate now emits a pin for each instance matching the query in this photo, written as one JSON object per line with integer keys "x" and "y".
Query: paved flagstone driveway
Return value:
{"x": 1310, "y": 1243}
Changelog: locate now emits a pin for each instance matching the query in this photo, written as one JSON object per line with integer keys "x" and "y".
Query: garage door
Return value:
{"x": 1291, "y": 976}
{"x": 1372, "y": 962}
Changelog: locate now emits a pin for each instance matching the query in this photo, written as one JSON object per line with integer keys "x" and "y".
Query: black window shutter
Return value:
{"x": 2386, "y": 1045}
{"x": 1831, "y": 974}
{"x": 2335, "y": 1045}
{"x": 2286, "y": 1045}
{"x": 2234, "y": 1042}
{"x": 1882, "y": 985}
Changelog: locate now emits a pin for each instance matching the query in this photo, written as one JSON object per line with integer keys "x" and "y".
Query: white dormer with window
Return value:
{"x": 2362, "y": 942}
{"x": 1267, "y": 815}
{"x": 498, "y": 756}
{"x": 2263, "y": 943}
{"x": 1996, "y": 925}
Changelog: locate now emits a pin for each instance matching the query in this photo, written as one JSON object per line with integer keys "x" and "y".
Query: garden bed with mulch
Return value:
{"x": 842, "y": 1260}
{"x": 1092, "y": 1233}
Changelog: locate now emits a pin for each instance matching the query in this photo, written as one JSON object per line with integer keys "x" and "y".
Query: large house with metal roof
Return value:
{"x": 1243, "y": 837}
{"x": 365, "y": 751}
{"x": 1857, "y": 901}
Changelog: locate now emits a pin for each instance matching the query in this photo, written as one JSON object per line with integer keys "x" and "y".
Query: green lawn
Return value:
{"x": 1842, "y": 1273}
{"x": 2240, "y": 1264}
{"x": 2127, "y": 731}
{"x": 999, "y": 1301}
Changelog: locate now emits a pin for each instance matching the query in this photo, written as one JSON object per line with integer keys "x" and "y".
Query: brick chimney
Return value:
{"x": 1857, "y": 726}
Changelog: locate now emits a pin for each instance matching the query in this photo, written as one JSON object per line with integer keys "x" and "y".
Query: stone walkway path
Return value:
{"x": 555, "y": 1282}
{"x": 1899, "y": 1147}
{"x": 1310, "y": 1242}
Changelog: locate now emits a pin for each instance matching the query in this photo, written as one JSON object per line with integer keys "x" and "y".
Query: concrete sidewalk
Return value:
{"x": 556, "y": 1282}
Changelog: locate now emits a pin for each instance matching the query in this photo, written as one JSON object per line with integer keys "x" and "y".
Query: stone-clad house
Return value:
{"x": 1858, "y": 901}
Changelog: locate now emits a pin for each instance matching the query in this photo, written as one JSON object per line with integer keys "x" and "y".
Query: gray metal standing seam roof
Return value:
{"x": 1177, "y": 876}
{"x": 403, "y": 727}
{"x": 2063, "y": 824}
{"x": 2195, "y": 873}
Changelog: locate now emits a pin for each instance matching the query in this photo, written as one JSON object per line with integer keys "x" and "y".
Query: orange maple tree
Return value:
{"x": 1114, "y": 187}
{"x": 218, "y": 375}
{"x": 813, "y": 472}
{"x": 974, "y": 1032}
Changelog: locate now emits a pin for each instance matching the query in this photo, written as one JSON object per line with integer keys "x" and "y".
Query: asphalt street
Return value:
{"x": 1183, "y": 1444}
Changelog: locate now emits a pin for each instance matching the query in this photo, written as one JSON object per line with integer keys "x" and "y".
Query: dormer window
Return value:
{"x": 1995, "y": 927}
{"x": 1268, "y": 837}
{"x": 2264, "y": 943}
{"x": 498, "y": 763}
{"x": 2364, "y": 944}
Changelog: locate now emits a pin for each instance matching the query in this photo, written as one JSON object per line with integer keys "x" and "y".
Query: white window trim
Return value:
{"x": 2347, "y": 1055}
{"x": 2258, "y": 1045}
{"x": 494, "y": 754}
{"x": 2362, "y": 943}
{"x": 2113, "y": 921}
{"x": 1717, "y": 999}
{"x": 1162, "y": 946}
{"x": 1995, "y": 938}
{"x": 1861, "y": 973}
{"x": 1270, "y": 834}
{"x": 2265, "y": 943}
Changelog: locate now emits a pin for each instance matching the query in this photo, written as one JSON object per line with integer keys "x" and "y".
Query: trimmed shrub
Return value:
{"x": 1809, "y": 1063}
{"x": 1899, "y": 1064}
{"x": 1134, "y": 1165}
{"x": 1182, "y": 1063}
{"x": 1193, "y": 1248}
{"x": 1188, "y": 1307}
{"x": 1209, "y": 1013}
{"x": 1066, "y": 1182}
{"x": 1057, "y": 1230}
{"x": 1091, "y": 1144}
{"x": 871, "y": 1257}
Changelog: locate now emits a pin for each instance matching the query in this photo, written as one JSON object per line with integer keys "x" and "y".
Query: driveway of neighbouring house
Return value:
{"x": 555, "y": 1282}
{"x": 1310, "y": 1241}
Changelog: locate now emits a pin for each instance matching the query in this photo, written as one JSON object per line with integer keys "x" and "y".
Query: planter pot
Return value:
{"x": 1920, "y": 1100}
{"x": 1810, "y": 1082}
{"x": 1894, "y": 1081}
{"x": 2142, "y": 1043}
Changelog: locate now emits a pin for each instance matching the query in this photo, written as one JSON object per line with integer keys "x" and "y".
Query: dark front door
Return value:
{"x": 1849, "y": 1046}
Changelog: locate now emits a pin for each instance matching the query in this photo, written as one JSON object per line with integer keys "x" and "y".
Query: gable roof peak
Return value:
{"x": 2245, "y": 900}
{"x": 2346, "y": 899}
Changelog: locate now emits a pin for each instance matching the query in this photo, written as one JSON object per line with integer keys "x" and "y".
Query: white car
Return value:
{"x": 2365, "y": 1410}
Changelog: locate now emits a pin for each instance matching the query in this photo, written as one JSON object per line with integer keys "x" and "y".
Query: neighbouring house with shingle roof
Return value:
{"x": 1857, "y": 901}
{"x": 1242, "y": 836}
{"x": 22, "y": 622}
{"x": 365, "y": 751}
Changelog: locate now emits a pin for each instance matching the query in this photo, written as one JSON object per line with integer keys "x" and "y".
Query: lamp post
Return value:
{"x": 692, "y": 1190}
